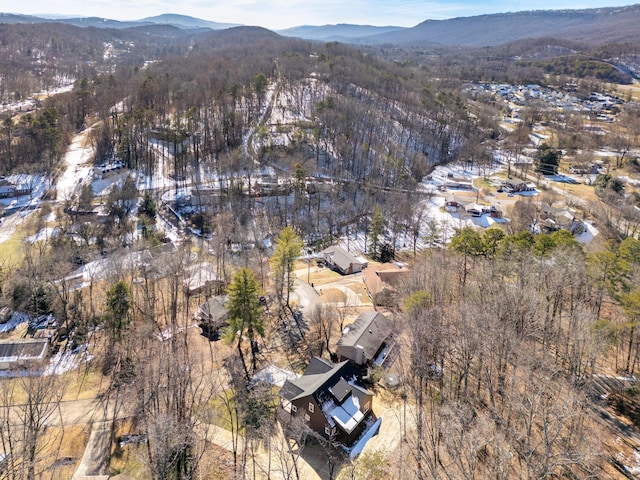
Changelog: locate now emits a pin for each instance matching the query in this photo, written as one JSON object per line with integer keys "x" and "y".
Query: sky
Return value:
{"x": 281, "y": 14}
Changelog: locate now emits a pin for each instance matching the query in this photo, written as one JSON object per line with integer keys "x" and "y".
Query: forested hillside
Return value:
{"x": 168, "y": 197}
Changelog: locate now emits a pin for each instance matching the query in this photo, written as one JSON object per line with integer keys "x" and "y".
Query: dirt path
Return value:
{"x": 81, "y": 412}
{"x": 274, "y": 462}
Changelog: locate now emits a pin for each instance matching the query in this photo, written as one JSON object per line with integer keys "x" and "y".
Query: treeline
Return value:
{"x": 373, "y": 119}
{"x": 579, "y": 68}
{"x": 35, "y": 141}
{"x": 521, "y": 62}
{"x": 41, "y": 57}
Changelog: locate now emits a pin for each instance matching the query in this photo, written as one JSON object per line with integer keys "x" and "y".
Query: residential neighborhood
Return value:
{"x": 326, "y": 252}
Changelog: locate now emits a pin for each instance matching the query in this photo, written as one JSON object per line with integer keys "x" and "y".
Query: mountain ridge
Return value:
{"x": 596, "y": 26}
{"x": 335, "y": 32}
{"x": 187, "y": 21}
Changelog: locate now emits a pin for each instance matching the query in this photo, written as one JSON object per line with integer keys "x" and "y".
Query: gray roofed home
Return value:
{"x": 212, "y": 315}
{"x": 342, "y": 261}
{"x": 328, "y": 398}
{"x": 367, "y": 340}
{"x": 201, "y": 277}
{"x": 22, "y": 353}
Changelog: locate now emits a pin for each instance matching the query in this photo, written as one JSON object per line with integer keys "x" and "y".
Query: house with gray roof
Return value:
{"x": 328, "y": 399}
{"x": 201, "y": 277}
{"x": 368, "y": 340}
{"x": 212, "y": 315}
{"x": 23, "y": 353}
{"x": 340, "y": 260}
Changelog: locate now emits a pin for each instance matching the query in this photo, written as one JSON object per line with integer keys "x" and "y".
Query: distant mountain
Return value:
{"x": 180, "y": 21}
{"x": 11, "y": 18}
{"x": 594, "y": 26}
{"x": 56, "y": 16}
{"x": 237, "y": 36}
{"x": 341, "y": 32}
{"x": 185, "y": 21}
{"x": 96, "y": 22}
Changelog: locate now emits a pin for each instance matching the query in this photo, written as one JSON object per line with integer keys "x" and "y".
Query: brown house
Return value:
{"x": 516, "y": 186}
{"x": 367, "y": 341}
{"x": 382, "y": 283}
{"x": 328, "y": 398}
{"x": 9, "y": 189}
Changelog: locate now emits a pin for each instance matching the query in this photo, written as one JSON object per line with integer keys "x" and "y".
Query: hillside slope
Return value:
{"x": 597, "y": 26}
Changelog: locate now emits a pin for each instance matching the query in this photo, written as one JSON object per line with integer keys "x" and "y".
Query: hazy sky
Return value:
{"x": 278, "y": 14}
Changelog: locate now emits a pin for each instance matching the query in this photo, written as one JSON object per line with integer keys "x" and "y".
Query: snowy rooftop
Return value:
{"x": 348, "y": 415}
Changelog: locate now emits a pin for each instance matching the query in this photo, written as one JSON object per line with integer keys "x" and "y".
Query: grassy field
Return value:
{"x": 625, "y": 90}
{"x": 11, "y": 252}
{"x": 333, "y": 295}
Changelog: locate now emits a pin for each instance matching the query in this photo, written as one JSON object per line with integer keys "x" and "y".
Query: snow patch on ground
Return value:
{"x": 44, "y": 234}
{"x": 67, "y": 360}
{"x": 16, "y": 319}
{"x": 631, "y": 465}
{"x": 589, "y": 234}
{"x": 274, "y": 376}
{"x": 103, "y": 186}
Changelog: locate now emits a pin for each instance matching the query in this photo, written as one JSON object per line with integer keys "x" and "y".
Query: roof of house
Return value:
{"x": 474, "y": 206}
{"x": 317, "y": 376}
{"x": 14, "y": 350}
{"x": 199, "y": 276}
{"x": 340, "y": 390}
{"x": 368, "y": 331}
{"x": 213, "y": 309}
{"x": 385, "y": 276}
{"x": 391, "y": 277}
{"x": 341, "y": 258}
{"x": 348, "y": 414}
{"x": 343, "y": 406}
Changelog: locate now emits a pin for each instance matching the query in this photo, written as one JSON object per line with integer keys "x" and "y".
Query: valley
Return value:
{"x": 227, "y": 253}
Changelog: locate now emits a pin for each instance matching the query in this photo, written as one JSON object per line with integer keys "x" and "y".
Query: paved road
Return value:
{"x": 95, "y": 461}
{"x": 309, "y": 299}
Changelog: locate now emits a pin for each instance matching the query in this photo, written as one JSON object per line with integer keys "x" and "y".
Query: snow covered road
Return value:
{"x": 77, "y": 165}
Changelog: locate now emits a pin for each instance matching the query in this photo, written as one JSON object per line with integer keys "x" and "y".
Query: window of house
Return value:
{"x": 307, "y": 417}
{"x": 327, "y": 430}
{"x": 294, "y": 408}
{"x": 311, "y": 407}
{"x": 366, "y": 407}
